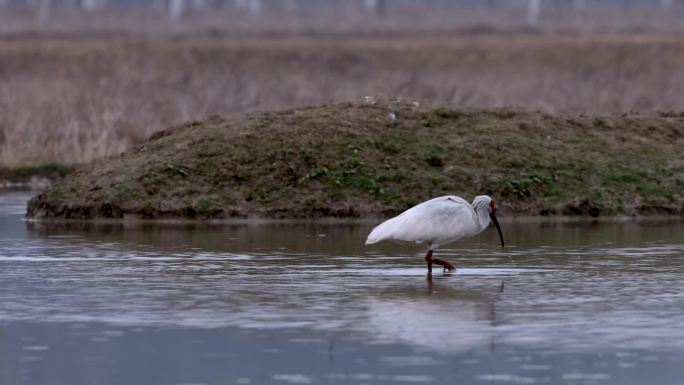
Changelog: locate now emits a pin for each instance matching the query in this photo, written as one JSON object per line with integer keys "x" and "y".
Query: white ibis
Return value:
{"x": 437, "y": 222}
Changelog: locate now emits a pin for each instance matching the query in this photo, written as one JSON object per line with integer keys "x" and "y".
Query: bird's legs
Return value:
{"x": 428, "y": 259}
{"x": 445, "y": 264}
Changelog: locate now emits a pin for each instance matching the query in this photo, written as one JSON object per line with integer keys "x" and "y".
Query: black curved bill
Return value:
{"x": 498, "y": 228}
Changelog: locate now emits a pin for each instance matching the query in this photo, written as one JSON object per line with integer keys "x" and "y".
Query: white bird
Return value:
{"x": 437, "y": 222}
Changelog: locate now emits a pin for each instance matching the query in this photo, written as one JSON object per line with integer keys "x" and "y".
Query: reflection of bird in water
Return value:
{"x": 451, "y": 320}
{"x": 437, "y": 222}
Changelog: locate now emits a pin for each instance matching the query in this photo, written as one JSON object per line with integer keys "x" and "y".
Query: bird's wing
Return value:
{"x": 436, "y": 221}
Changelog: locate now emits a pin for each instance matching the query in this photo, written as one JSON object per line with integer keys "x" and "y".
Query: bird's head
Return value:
{"x": 486, "y": 204}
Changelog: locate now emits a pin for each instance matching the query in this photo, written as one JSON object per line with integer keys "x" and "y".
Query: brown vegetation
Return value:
{"x": 76, "y": 99}
{"x": 379, "y": 158}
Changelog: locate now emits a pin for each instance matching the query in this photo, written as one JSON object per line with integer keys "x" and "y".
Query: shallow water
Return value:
{"x": 573, "y": 303}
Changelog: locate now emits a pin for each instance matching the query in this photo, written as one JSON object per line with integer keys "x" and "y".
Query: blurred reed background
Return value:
{"x": 84, "y": 79}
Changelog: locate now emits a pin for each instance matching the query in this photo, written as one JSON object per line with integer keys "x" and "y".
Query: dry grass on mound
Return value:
{"x": 76, "y": 99}
{"x": 352, "y": 160}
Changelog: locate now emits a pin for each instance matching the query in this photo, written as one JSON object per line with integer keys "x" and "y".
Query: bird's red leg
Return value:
{"x": 445, "y": 264}
{"x": 428, "y": 259}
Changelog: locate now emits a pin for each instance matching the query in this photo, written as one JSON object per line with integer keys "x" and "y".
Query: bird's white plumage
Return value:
{"x": 435, "y": 222}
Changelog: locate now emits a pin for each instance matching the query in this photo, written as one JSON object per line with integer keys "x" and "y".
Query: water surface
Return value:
{"x": 565, "y": 303}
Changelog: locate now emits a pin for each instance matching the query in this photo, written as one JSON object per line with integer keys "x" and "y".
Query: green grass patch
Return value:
{"x": 51, "y": 170}
{"x": 55, "y": 194}
{"x": 179, "y": 169}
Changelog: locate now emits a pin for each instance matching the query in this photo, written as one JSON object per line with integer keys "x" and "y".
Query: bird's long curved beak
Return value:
{"x": 498, "y": 228}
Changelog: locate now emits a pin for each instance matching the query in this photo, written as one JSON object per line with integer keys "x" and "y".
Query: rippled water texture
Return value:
{"x": 570, "y": 303}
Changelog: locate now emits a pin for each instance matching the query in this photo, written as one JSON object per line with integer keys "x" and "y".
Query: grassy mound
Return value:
{"x": 358, "y": 159}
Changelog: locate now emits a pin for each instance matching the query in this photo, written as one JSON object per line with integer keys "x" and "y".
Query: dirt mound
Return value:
{"x": 378, "y": 158}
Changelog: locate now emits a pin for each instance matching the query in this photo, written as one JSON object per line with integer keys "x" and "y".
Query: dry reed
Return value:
{"x": 75, "y": 99}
